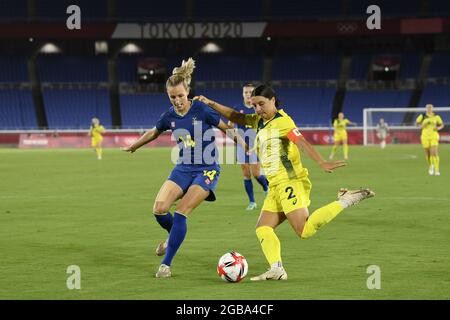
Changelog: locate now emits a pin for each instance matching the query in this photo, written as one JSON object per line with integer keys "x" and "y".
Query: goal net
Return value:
{"x": 401, "y": 124}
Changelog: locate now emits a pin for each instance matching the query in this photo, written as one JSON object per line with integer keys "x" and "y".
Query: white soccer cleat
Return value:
{"x": 277, "y": 273}
{"x": 251, "y": 206}
{"x": 161, "y": 248}
{"x": 163, "y": 272}
{"x": 352, "y": 197}
{"x": 437, "y": 173}
{"x": 431, "y": 170}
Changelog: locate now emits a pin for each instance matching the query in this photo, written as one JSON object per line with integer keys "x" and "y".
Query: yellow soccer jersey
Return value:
{"x": 429, "y": 124}
{"x": 96, "y": 132}
{"x": 279, "y": 156}
{"x": 340, "y": 126}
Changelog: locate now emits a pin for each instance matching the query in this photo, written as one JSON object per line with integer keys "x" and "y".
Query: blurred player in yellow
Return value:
{"x": 278, "y": 145}
{"x": 340, "y": 134}
{"x": 430, "y": 123}
{"x": 96, "y": 133}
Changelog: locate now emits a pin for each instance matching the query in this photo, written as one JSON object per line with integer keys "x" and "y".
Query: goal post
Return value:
{"x": 401, "y": 122}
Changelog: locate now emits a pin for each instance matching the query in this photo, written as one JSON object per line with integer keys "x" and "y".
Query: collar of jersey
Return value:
{"x": 262, "y": 125}
{"x": 184, "y": 115}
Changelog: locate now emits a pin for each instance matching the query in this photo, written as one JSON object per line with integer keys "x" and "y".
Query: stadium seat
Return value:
{"x": 17, "y": 109}
{"x": 74, "y": 108}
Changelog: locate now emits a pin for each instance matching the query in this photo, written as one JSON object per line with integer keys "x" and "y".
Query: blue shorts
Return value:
{"x": 207, "y": 179}
{"x": 242, "y": 157}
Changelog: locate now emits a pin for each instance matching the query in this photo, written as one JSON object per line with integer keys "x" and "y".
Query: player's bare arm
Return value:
{"x": 233, "y": 134}
{"x": 147, "y": 137}
{"x": 225, "y": 111}
{"x": 306, "y": 147}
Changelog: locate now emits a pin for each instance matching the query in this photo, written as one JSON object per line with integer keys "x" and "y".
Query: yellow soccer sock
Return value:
{"x": 436, "y": 164}
{"x": 433, "y": 161}
{"x": 321, "y": 217}
{"x": 333, "y": 151}
{"x": 98, "y": 151}
{"x": 345, "y": 150}
{"x": 270, "y": 244}
{"x": 428, "y": 160}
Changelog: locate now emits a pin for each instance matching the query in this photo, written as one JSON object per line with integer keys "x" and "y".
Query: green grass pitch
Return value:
{"x": 63, "y": 207}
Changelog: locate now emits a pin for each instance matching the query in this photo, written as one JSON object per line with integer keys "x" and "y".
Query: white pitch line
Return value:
{"x": 417, "y": 198}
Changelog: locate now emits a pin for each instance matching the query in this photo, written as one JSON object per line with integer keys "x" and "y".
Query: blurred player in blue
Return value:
{"x": 247, "y": 159}
{"x": 195, "y": 176}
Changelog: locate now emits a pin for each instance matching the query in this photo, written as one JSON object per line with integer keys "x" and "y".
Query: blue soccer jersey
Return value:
{"x": 194, "y": 135}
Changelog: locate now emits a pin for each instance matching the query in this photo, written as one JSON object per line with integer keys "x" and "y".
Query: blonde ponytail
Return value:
{"x": 182, "y": 74}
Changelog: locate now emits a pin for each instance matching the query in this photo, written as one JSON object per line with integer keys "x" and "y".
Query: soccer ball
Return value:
{"x": 232, "y": 267}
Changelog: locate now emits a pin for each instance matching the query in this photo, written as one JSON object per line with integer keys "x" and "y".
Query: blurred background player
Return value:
{"x": 96, "y": 133}
{"x": 247, "y": 159}
{"x": 279, "y": 144}
{"x": 430, "y": 123}
{"x": 382, "y": 132}
{"x": 340, "y": 134}
{"x": 193, "y": 180}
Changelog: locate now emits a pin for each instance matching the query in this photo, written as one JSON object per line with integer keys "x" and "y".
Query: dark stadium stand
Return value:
{"x": 439, "y": 95}
{"x": 90, "y": 10}
{"x": 17, "y": 109}
{"x": 306, "y": 67}
{"x": 218, "y": 67}
{"x": 235, "y": 9}
{"x": 142, "y": 110}
{"x": 307, "y": 106}
{"x": 440, "y": 65}
{"x": 74, "y": 108}
{"x": 13, "y": 69}
{"x": 59, "y": 68}
{"x": 317, "y": 8}
{"x": 356, "y": 101}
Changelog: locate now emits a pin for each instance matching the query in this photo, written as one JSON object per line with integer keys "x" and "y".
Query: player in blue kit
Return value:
{"x": 248, "y": 160}
{"x": 196, "y": 173}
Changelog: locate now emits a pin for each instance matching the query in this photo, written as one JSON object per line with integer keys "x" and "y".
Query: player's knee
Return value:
{"x": 160, "y": 207}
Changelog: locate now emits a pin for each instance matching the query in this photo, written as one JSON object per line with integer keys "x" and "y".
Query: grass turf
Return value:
{"x": 63, "y": 207}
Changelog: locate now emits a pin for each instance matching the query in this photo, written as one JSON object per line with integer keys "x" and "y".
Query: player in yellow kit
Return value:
{"x": 340, "y": 134}
{"x": 96, "y": 133}
{"x": 430, "y": 123}
{"x": 278, "y": 144}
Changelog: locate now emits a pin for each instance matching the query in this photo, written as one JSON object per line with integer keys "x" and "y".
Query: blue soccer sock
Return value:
{"x": 176, "y": 237}
{"x": 263, "y": 182}
{"x": 249, "y": 189}
{"x": 165, "y": 220}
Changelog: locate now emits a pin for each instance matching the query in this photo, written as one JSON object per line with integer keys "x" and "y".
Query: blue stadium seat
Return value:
{"x": 74, "y": 108}
{"x": 306, "y": 67}
{"x": 217, "y": 67}
{"x": 356, "y": 101}
{"x": 438, "y": 95}
{"x": 58, "y": 68}
{"x": 440, "y": 65}
{"x": 13, "y": 69}
{"x": 142, "y": 110}
{"x": 307, "y": 106}
{"x": 410, "y": 65}
{"x": 17, "y": 109}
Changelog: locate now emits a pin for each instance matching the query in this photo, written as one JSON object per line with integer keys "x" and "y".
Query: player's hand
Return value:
{"x": 203, "y": 99}
{"x": 329, "y": 166}
{"x": 129, "y": 149}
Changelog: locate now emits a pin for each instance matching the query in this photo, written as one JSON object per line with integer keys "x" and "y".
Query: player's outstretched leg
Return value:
{"x": 322, "y": 216}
